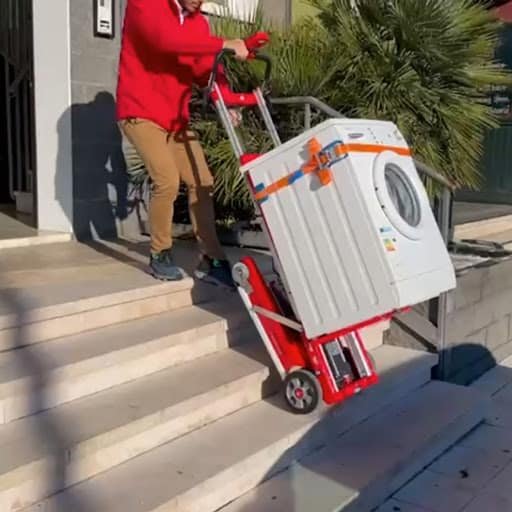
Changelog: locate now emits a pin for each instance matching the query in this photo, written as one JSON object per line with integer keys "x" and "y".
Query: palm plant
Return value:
{"x": 425, "y": 65}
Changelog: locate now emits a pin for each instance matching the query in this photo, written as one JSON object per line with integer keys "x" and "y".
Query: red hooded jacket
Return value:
{"x": 162, "y": 55}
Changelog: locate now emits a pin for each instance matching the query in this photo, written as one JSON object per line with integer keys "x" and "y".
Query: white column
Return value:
{"x": 53, "y": 115}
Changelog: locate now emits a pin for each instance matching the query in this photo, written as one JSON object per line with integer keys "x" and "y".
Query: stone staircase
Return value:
{"x": 118, "y": 394}
{"x": 496, "y": 229}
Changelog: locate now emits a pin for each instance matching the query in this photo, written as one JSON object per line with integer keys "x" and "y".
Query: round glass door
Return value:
{"x": 397, "y": 194}
{"x": 402, "y": 194}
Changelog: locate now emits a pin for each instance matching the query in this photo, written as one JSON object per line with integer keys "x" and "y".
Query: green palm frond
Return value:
{"x": 426, "y": 65}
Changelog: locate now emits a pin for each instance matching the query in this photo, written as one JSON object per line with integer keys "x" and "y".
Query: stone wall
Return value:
{"x": 99, "y": 178}
{"x": 479, "y": 328}
{"x": 480, "y": 315}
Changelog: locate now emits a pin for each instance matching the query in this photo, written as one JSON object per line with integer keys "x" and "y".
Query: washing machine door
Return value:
{"x": 399, "y": 193}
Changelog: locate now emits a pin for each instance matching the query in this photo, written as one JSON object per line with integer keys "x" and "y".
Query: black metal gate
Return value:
{"x": 17, "y": 134}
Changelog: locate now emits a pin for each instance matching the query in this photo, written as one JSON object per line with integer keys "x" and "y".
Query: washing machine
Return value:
{"x": 350, "y": 224}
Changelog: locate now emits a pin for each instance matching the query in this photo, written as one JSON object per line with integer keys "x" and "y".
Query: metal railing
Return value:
{"x": 443, "y": 217}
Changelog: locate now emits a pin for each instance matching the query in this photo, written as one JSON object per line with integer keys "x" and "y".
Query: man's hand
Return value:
{"x": 238, "y": 46}
{"x": 235, "y": 116}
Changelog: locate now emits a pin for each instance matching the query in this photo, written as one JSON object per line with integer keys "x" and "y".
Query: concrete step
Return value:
{"x": 412, "y": 330}
{"x": 35, "y": 315}
{"x": 63, "y": 289}
{"x": 484, "y": 229}
{"x": 14, "y": 233}
{"x": 44, "y": 453}
{"x": 358, "y": 471}
{"x": 41, "y": 376}
{"x": 33, "y": 239}
{"x": 212, "y": 466}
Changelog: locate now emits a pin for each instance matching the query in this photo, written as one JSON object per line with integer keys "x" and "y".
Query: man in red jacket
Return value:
{"x": 167, "y": 47}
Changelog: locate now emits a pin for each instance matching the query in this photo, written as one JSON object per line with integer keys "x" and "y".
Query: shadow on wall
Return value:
{"x": 100, "y": 184}
{"x": 332, "y": 472}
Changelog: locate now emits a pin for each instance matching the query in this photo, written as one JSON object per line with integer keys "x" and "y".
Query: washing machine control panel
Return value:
{"x": 379, "y": 133}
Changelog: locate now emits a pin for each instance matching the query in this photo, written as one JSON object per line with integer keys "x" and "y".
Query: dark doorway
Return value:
{"x": 17, "y": 135}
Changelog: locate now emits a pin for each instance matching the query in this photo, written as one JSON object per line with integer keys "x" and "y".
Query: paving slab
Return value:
{"x": 438, "y": 493}
{"x": 474, "y": 467}
{"x": 490, "y": 437}
{"x": 501, "y": 483}
{"x": 364, "y": 466}
{"x": 480, "y": 464}
{"x": 486, "y": 502}
{"x": 495, "y": 379}
{"x": 394, "y": 505}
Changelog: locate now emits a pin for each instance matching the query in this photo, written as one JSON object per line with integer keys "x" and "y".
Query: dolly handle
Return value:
{"x": 223, "y": 100}
{"x": 254, "y": 43}
{"x": 236, "y": 99}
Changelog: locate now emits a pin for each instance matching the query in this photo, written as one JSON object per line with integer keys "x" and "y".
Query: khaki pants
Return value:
{"x": 169, "y": 159}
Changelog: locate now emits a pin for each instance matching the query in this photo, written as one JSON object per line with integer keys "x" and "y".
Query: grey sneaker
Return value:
{"x": 214, "y": 271}
{"x": 163, "y": 267}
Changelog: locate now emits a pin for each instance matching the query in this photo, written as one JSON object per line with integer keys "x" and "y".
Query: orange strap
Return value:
{"x": 319, "y": 162}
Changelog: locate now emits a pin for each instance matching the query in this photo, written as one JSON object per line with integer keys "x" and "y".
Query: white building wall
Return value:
{"x": 53, "y": 114}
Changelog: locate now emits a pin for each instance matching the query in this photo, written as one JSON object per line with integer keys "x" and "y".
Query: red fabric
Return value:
{"x": 505, "y": 12}
{"x": 160, "y": 60}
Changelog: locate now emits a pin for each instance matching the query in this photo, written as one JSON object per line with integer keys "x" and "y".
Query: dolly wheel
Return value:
{"x": 302, "y": 391}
